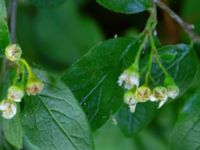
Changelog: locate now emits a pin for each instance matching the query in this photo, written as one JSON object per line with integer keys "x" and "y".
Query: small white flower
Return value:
{"x": 159, "y": 94}
{"x": 34, "y": 86}
{"x": 15, "y": 93}
{"x": 129, "y": 97}
{"x": 129, "y": 79}
{"x": 143, "y": 94}
{"x": 173, "y": 91}
{"x": 8, "y": 109}
{"x": 13, "y": 52}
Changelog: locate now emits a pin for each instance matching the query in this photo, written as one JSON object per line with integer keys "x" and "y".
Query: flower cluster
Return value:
{"x": 140, "y": 94}
{"x": 21, "y": 84}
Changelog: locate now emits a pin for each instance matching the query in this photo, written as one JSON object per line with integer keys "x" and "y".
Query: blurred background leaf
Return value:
{"x": 56, "y": 36}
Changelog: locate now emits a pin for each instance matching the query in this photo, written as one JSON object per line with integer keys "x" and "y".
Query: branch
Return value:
{"x": 12, "y": 13}
{"x": 188, "y": 28}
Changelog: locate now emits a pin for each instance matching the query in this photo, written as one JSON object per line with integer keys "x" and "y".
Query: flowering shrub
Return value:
{"x": 60, "y": 103}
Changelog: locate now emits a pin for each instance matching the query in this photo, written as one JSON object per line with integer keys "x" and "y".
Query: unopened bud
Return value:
{"x": 143, "y": 93}
{"x": 13, "y": 52}
{"x": 129, "y": 97}
{"x": 173, "y": 91}
{"x": 34, "y": 86}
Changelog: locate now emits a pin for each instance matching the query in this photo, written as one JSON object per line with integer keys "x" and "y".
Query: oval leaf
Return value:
{"x": 93, "y": 79}
{"x": 53, "y": 119}
{"x": 126, "y": 6}
{"x": 182, "y": 67}
{"x": 186, "y": 135}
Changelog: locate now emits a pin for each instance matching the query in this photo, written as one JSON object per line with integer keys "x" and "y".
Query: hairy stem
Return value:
{"x": 188, "y": 28}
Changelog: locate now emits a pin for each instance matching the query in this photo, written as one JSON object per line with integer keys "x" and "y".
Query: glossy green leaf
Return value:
{"x": 98, "y": 71}
{"x": 182, "y": 65}
{"x": 132, "y": 123}
{"x": 13, "y": 131}
{"x": 47, "y": 3}
{"x": 4, "y": 34}
{"x": 93, "y": 79}
{"x": 3, "y": 143}
{"x": 186, "y": 135}
{"x": 53, "y": 119}
{"x": 126, "y": 6}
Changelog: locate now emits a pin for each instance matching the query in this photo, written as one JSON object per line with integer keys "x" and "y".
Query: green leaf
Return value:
{"x": 4, "y": 34}
{"x": 3, "y": 143}
{"x": 53, "y": 119}
{"x": 12, "y": 128}
{"x": 126, "y": 6}
{"x": 93, "y": 79}
{"x": 132, "y": 123}
{"x": 47, "y": 3}
{"x": 13, "y": 131}
{"x": 182, "y": 65}
{"x": 65, "y": 34}
{"x": 186, "y": 135}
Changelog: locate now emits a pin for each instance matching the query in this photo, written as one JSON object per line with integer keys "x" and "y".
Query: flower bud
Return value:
{"x": 15, "y": 93}
{"x": 34, "y": 86}
{"x": 159, "y": 93}
{"x": 9, "y": 109}
{"x": 143, "y": 93}
{"x": 13, "y": 52}
{"x": 130, "y": 78}
{"x": 129, "y": 97}
{"x": 172, "y": 91}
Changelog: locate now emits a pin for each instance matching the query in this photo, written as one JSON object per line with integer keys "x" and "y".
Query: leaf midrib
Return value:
{"x": 59, "y": 125}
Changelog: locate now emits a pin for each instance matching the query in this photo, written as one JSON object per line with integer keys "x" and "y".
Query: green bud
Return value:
{"x": 34, "y": 85}
{"x": 142, "y": 94}
{"x": 13, "y": 52}
{"x": 173, "y": 91}
{"x": 129, "y": 97}
{"x": 168, "y": 80}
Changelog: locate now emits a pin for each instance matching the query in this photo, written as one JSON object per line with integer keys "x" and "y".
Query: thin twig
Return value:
{"x": 12, "y": 12}
{"x": 188, "y": 28}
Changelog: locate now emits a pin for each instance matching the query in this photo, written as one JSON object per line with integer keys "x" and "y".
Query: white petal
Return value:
{"x": 14, "y": 109}
{"x": 134, "y": 80}
{"x": 121, "y": 79}
{"x": 10, "y": 112}
{"x": 18, "y": 100}
{"x": 153, "y": 98}
{"x": 161, "y": 104}
{"x": 132, "y": 108}
{"x": 4, "y": 106}
{"x": 128, "y": 86}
